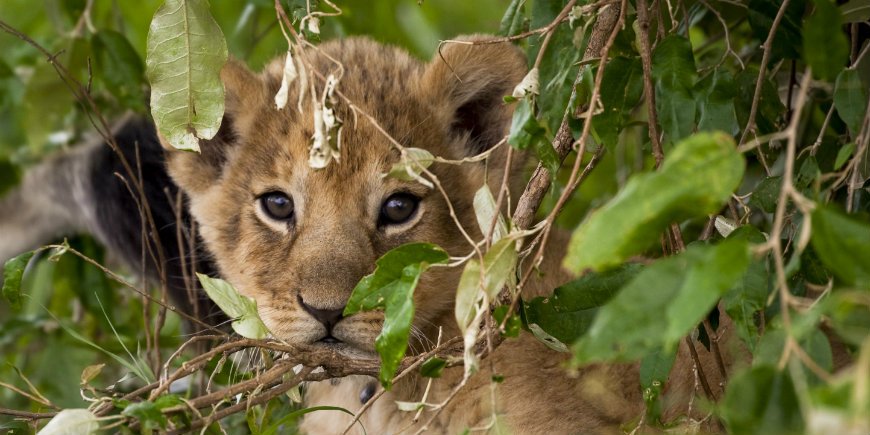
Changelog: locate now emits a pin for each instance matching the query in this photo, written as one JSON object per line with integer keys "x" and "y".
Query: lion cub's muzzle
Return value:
{"x": 328, "y": 317}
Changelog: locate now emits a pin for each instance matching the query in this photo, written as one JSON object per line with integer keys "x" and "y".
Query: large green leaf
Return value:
{"x": 843, "y": 244}
{"x": 825, "y": 49}
{"x": 850, "y": 99}
{"x": 621, "y": 89}
{"x": 663, "y": 303}
{"x": 568, "y": 313}
{"x": 186, "y": 51}
{"x": 762, "y": 401}
{"x": 13, "y": 271}
{"x": 697, "y": 177}
{"x": 714, "y": 98}
{"x": 673, "y": 69}
{"x": 391, "y": 287}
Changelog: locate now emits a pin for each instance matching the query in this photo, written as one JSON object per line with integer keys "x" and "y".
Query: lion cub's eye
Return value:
{"x": 398, "y": 208}
{"x": 277, "y": 205}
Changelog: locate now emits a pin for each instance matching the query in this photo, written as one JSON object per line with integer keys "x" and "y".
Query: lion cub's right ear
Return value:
{"x": 244, "y": 93}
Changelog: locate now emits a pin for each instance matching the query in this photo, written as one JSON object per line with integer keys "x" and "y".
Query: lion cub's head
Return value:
{"x": 298, "y": 239}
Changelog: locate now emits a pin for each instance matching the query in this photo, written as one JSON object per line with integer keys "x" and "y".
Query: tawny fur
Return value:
{"x": 451, "y": 107}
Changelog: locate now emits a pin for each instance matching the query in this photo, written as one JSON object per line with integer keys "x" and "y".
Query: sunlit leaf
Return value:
{"x": 650, "y": 202}
{"x": 411, "y": 165}
{"x": 186, "y": 51}
{"x": 391, "y": 287}
{"x": 72, "y": 422}
{"x": 485, "y": 211}
{"x": 241, "y": 308}
{"x": 498, "y": 269}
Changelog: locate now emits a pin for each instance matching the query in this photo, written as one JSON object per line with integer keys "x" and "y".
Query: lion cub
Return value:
{"x": 298, "y": 239}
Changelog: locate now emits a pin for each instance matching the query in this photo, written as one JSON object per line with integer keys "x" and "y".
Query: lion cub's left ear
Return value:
{"x": 468, "y": 80}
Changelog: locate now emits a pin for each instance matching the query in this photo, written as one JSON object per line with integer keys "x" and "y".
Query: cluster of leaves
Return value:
{"x": 756, "y": 216}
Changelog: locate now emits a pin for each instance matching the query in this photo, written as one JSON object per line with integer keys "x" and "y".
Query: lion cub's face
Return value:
{"x": 298, "y": 239}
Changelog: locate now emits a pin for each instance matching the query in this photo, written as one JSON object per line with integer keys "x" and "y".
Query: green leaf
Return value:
{"x": 433, "y": 367}
{"x": 243, "y": 309}
{"x": 662, "y": 303}
{"x": 826, "y": 49}
{"x": 655, "y": 368}
{"x": 843, "y": 155}
{"x": 568, "y": 313}
{"x": 525, "y": 128}
{"x": 485, "y": 212}
{"x": 842, "y": 242}
{"x": 391, "y": 287}
{"x": 749, "y": 295}
{"x": 513, "y": 17}
{"x": 762, "y": 401}
{"x": 499, "y": 264}
{"x": 185, "y": 54}
{"x": 788, "y": 40}
{"x": 119, "y": 66}
{"x": 770, "y": 106}
{"x": 849, "y": 315}
{"x": 850, "y": 99}
{"x": 673, "y": 70}
{"x": 412, "y": 164}
{"x": 856, "y": 11}
{"x": 621, "y": 89}
{"x": 514, "y": 323}
{"x": 148, "y": 414}
{"x": 714, "y": 98}
{"x": 13, "y": 271}
{"x": 649, "y": 202}
{"x": 766, "y": 194}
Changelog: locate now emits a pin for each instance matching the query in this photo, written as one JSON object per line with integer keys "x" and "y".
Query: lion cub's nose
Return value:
{"x": 328, "y": 317}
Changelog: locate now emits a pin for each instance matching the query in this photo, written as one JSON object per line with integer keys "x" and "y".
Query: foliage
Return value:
{"x": 757, "y": 216}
